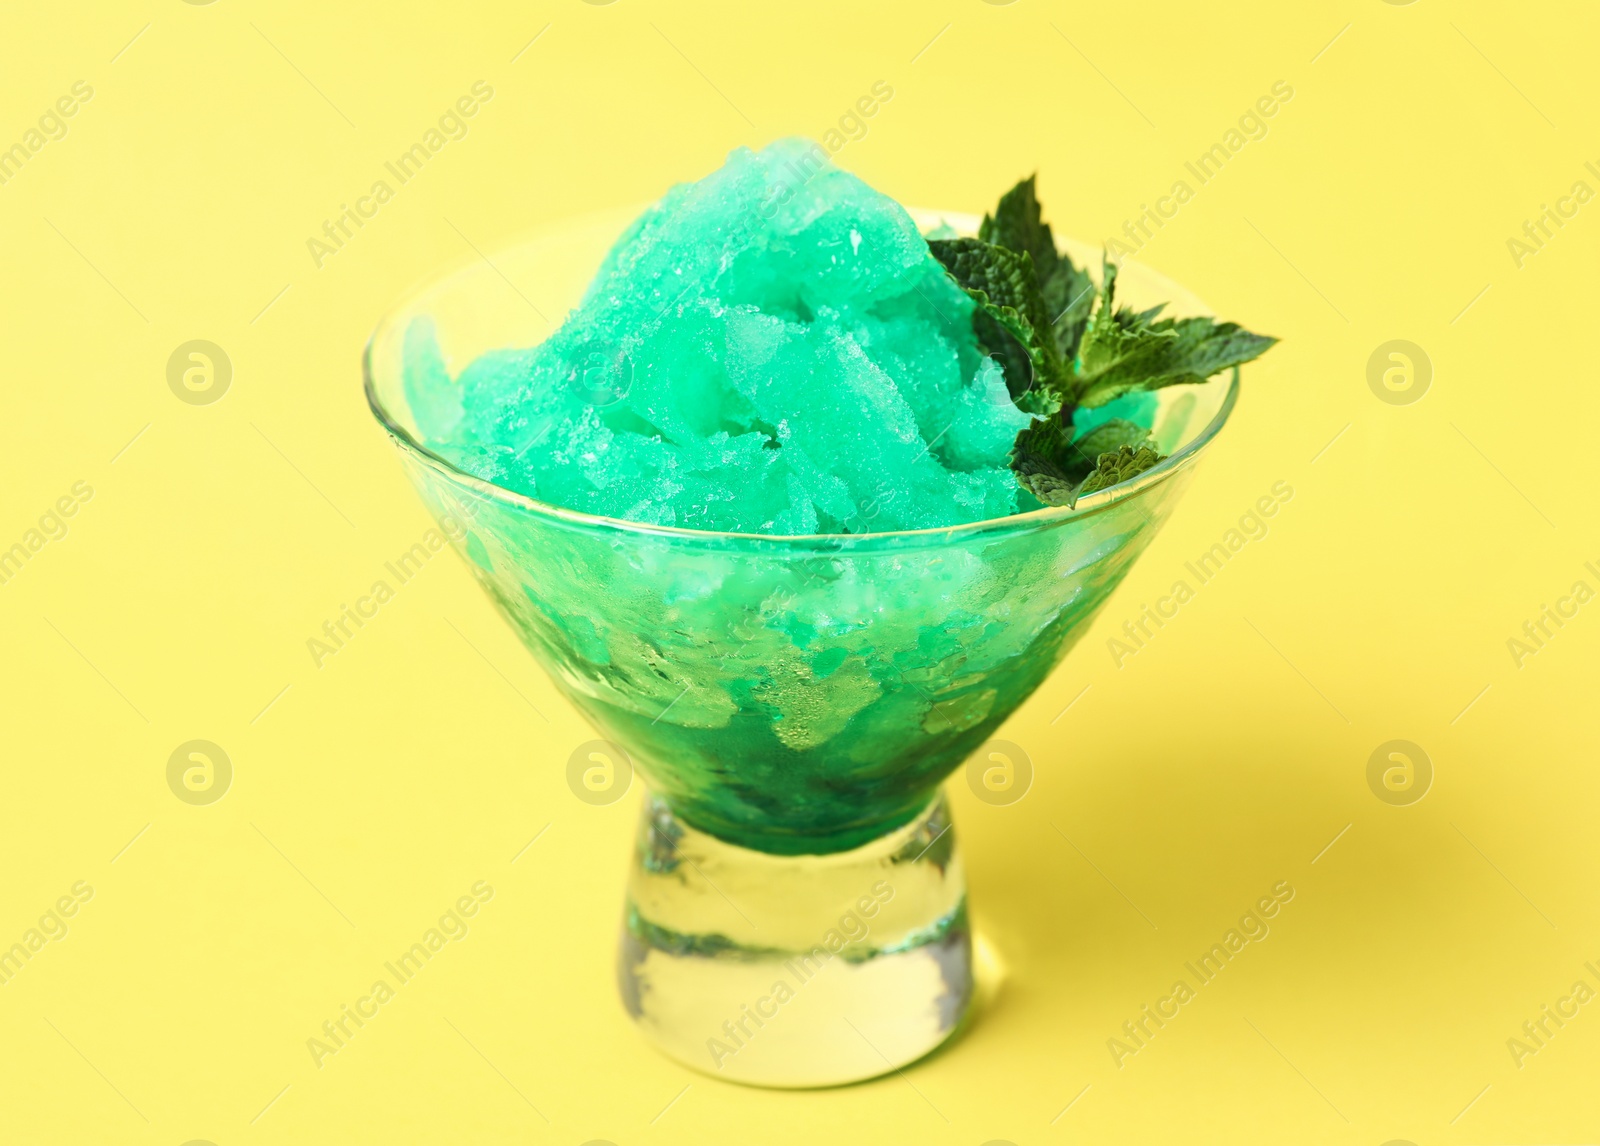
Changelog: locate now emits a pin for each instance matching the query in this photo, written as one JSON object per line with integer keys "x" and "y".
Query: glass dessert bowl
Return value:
{"x": 796, "y": 908}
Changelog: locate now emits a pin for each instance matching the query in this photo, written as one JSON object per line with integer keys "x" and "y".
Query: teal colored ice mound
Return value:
{"x": 770, "y": 350}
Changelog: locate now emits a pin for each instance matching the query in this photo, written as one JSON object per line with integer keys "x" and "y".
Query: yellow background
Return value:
{"x": 1222, "y": 758}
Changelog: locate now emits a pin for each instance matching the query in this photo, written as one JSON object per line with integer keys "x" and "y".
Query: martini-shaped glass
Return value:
{"x": 796, "y": 910}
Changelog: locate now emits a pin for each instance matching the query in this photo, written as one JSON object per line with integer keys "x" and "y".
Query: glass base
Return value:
{"x": 796, "y": 971}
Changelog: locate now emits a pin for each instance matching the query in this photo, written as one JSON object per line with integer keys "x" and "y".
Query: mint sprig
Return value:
{"x": 1005, "y": 286}
{"x": 1112, "y": 468}
{"x": 1057, "y": 469}
{"x": 1123, "y": 352}
{"x": 1018, "y": 224}
{"x": 1063, "y": 344}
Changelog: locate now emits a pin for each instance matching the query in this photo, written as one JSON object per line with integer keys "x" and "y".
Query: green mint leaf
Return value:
{"x": 1043, "y": 460}
{"x": 1110, "y": 436}
{"x": 1123, "y": 351}
{"x": 1206, "y": 347}
{"x": 1018, "y": 225}
{"x": 1056, "y": 469}
{"x": 1002, "y": 283}
{"x": 1063, "y": 344}
{"x": 1069, "y": 294}
{"x": 1118, "y": 350}
{"x": 1112, "y": 468}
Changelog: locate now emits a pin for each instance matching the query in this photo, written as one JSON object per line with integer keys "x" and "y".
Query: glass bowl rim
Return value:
{"x": 1046, "y": 517}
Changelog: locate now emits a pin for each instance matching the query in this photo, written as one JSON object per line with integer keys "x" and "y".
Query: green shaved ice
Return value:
{"x": 760, "y": 352}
